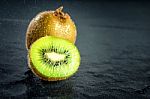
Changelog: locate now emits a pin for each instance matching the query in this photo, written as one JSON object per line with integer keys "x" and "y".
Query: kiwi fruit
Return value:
{"x": 51, "y": 23}
{"x": 53, "y": 58}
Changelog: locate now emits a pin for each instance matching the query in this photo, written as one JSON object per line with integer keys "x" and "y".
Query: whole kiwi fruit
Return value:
{"x": 51, "y": 23}
{"x": 53, "y": 58}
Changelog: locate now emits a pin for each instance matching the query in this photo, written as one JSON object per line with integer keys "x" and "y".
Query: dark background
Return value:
{"x": 113, "y": 39}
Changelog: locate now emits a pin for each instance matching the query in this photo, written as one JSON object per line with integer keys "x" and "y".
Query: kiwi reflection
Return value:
{"x": 40, "y": 88}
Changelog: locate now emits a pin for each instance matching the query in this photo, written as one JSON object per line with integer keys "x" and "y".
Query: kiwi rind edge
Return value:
{"x": 38, "y": 74}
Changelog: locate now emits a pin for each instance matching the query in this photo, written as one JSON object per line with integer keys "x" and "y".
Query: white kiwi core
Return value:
{"x": 54, "y": 56}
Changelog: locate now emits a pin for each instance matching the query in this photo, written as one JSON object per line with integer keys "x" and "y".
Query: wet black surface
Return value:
{"x": 113, "y": 39}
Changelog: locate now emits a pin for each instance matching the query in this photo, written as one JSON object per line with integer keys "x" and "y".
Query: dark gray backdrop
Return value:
{"x": 113, "y": 39}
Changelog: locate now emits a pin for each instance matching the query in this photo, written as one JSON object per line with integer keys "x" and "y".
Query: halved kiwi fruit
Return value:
{"x": 51, "y": 23}
{"x": 53, "y": 58}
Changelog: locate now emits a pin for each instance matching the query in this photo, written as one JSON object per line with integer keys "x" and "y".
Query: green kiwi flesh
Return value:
{"x": 53, "y": 58}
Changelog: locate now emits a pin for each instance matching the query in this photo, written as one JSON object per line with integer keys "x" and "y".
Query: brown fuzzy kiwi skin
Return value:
{"x": 39, "y": 75}
{"x": 51, "y": 23}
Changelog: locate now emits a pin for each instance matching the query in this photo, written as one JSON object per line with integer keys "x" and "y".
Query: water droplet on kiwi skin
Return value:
{"x": 42, "y": 25}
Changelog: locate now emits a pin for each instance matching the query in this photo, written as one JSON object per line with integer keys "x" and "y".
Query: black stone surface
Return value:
{"x": 113, "y": 39}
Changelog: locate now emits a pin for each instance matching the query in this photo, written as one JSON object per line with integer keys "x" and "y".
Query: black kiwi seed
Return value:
{"x": 56, "y": 50}
{"x": 65, "y": 51}
{"x": 43, "y": 50}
